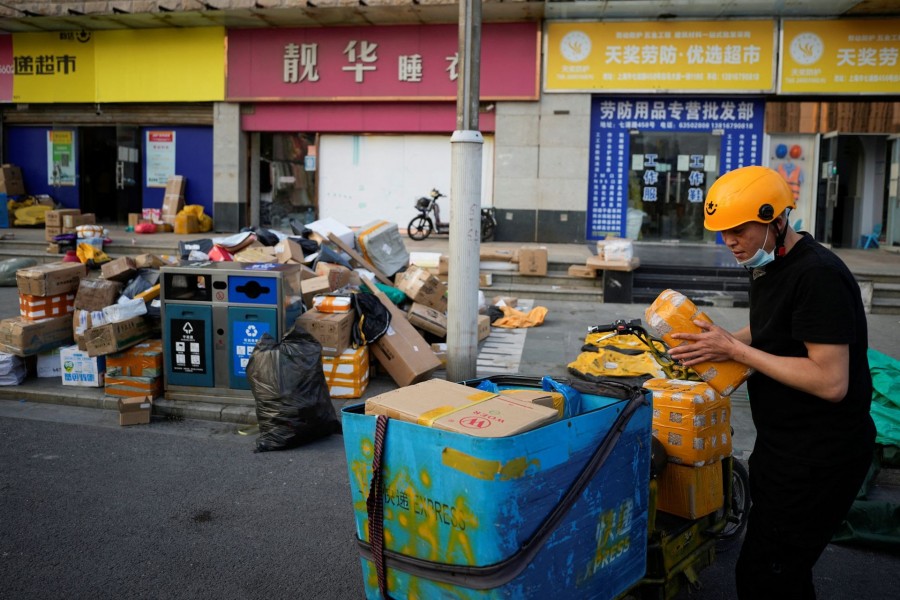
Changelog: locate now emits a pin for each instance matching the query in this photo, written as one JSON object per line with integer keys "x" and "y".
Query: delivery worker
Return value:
{"x": 810, "y": 394}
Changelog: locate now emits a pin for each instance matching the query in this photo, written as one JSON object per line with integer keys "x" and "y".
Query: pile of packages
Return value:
{"x": 692, "y": 419}
{"x": 92, "y": 331}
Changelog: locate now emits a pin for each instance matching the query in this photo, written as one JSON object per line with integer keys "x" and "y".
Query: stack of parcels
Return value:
{"x": 136, "y": 372}
{"x": 454, "y": 407}
{"x": 347, "y": 375}
{"x": 693, "y": 423}
{"x": 428, "y": 311}
{"x": 673, "y": 312}
{"x": 46, "y": 303}
{"x": 613, "y": 254}
{"x": 330, "y": 327}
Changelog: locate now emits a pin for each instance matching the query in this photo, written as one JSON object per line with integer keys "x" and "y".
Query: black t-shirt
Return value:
{"x": 809, "y": 295}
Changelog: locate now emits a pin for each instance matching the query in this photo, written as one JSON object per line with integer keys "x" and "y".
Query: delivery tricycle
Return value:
{"x": 566, "y": 510}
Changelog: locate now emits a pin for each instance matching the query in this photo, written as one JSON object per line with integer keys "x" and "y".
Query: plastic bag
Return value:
{"x": 143, "y": 281}
{"x": 293, "y": 406}
{"x": 202, "y": 245}
{"x": 9, "y": 267}
{"x": 91, "y": 255}
{"x": 12, "y": 369}
{"x": 371, "y": 319}
{"x": 204, "y": 221}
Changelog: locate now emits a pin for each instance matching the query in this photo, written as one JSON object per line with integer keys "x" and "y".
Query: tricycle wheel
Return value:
{"x": 737, "y": 513}
{"x": 419, "y": 228}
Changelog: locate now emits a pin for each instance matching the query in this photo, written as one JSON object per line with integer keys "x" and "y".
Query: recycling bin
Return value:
{"x": 213, "y": 313}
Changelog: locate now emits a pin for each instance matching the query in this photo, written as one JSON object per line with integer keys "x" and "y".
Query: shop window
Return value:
{"x": 288, "y": 179}
{"x": 668, "y": 178}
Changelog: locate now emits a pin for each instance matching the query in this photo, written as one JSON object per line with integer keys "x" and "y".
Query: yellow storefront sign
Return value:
{"x": 53, "y": 67}
{"x": 733, "y": 56}
{"x": 840, "y": 57}
{"x": 152, "y": 65}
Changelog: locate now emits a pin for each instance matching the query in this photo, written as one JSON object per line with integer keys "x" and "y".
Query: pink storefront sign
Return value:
{"x": 398, "y": 62}
{"x": 6, "y": 68}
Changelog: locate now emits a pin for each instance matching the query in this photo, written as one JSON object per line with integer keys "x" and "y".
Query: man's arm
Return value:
{"x": 824, "y": 372}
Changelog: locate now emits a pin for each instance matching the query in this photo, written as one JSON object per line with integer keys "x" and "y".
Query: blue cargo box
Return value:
{"x": 470, "y": 504}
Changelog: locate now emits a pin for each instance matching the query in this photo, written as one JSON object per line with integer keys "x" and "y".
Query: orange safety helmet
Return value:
{"x": 746, "y": 194}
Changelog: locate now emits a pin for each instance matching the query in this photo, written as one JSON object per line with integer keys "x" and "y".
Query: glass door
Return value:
{"x": 668, "y": 179}
{"x": 892, "y": 231}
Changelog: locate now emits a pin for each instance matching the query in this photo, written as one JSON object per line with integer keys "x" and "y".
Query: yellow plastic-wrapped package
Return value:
{"x": 673, "y": 312}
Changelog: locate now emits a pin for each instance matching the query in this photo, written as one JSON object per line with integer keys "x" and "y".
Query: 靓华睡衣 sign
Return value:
{"x": 398, "y": 62}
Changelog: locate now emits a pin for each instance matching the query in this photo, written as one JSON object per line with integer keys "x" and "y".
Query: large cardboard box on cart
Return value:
{"x": 461, "y": 500}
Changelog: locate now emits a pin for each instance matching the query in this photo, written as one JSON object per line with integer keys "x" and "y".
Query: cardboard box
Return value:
{"x": 144, "y": 360}
{"x": 121, "y": 269}
{"x": 50, "y": 232}
{"x": 595, "y": 262}
{"x": 54, "y": 218}
{"x": 256, "y": 254}
{"x": 48, "y": 364}
{"x": 113, "y": 337}
{"x": 148, "y": 261}
{"x": 532, "y": 261}
{"x": 423, "y": 287}
{"x": 427, "y": 318}
{"x": 484, "y": 327}
{"x": 170, "y": 208}
{"x": 81, "y": 370}
{"x": 510, "y": 301}
{"x": 134, "y": 219}
{"x": 35, "y": 308}
{"x": 309, "y": 288}
{"x": 348, "y": 374}
{"x": 613, "y": 249}
{"x": 402, "y": 351}
{"x": 690, "y": 492}
{"x": 96, "y": 294}
{"x": 496, "y": 254}
{"x": 71, "y": 222}
{"x": 338, "y": 275}
{"x": 331, "y": 329}
{"x": 82, "y": 320}
{"x": 455, "y": 407}
{"x": 23, "y": 338}
{"x": 11, "y": 182}
{"x": 175, "y": 185}
{"x": 485, "y": 279}
{"x": 50, "y": 279}
{"x": 444, "y": 265}
{"x": 440, "y": 350}
{"x": 135, "y": 411}
{"x": 289, "y": 251}
{"x": 582, "y": 271}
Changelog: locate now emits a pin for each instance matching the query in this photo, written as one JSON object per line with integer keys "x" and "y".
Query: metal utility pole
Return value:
{"x": 465, "y": 202}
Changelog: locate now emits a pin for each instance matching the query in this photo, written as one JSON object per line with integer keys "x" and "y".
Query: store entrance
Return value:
{"x": 668, "y": 178}
{"x": 97, "y": 182}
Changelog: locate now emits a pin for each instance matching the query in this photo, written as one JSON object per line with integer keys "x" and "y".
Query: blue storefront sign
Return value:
{"x": 739, "y": 122}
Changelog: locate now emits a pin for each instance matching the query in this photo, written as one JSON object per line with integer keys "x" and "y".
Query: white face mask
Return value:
{"x": 761, "y": 258}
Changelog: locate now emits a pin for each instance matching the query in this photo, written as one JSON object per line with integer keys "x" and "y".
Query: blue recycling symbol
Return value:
{"x": 251, "y": 331}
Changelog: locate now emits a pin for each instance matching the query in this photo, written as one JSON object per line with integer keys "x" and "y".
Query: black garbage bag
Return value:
{"x": 372, "y": 319}
{"x": 293, "y": 406}
{"x": 263, "y": 235}
{"x": 328, "y": 255}
{"x": 309, "y": 246}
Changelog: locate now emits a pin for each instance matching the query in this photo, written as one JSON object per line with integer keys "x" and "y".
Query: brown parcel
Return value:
{"x": 23, "y": 338}
{"x": 135, "y": 410}
{"x": 287, "y": 251}
{"x": 148, "y": 261}
{"x": 97, "y": 294}
{"x": 454, "y": 407}
{"x": 54, "y": 218}
{"x": 402, "y": 351}
{"x": 313, "y": 286}
{"x": 428, "y": 319}
{"x": 332, "y": 330}
{"x": 423, "y": 287}
{"x": 532, "y": 261}
{"x": 121, "y": 269}
{"x": 484, "y": 327}
{"x": 50, "y": 279}
{"x": 113, "y": 337}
